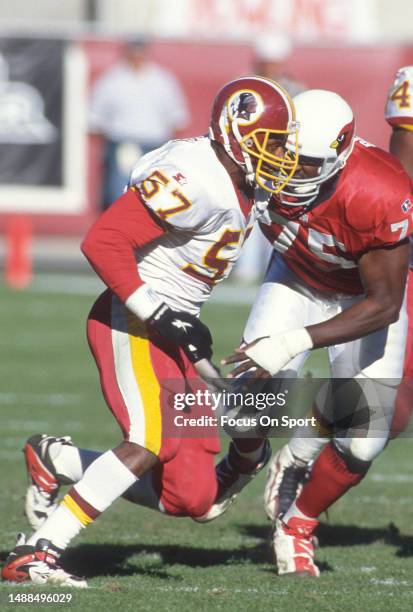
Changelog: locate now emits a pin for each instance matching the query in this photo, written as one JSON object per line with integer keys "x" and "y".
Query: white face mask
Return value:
{"x": 325, "y": 137}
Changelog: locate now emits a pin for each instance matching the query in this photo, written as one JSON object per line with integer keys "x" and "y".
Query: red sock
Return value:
{"x": 330, "y": 479}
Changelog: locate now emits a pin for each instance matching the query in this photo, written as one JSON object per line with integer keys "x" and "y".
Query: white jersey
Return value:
{"x": 399, "y": 105}
{"x": 399, "y": 109}
{"x": 185, "y": 185}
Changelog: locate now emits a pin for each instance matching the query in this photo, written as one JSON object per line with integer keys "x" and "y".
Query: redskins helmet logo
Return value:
{"x": 245, "y": 107}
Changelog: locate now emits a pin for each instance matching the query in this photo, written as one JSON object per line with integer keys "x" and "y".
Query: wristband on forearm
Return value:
{"x": 274, "y": 352}
{"x": 143, "y": 302}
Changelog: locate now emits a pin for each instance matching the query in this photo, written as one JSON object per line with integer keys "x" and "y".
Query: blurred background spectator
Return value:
{"x": 271, "y": 52}
{"x": 136, "y": 106}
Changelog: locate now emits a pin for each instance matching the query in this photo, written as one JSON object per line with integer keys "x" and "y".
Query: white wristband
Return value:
{"x": 143, "y": 302}
{"x": 275, "y": 352}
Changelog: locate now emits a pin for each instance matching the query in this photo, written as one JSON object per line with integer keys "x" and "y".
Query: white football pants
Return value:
{"x": 285, "y": 303}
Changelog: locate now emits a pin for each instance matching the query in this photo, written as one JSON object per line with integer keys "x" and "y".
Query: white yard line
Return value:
{"x": 391, "y": 477}
{"x": 48, "y": 399}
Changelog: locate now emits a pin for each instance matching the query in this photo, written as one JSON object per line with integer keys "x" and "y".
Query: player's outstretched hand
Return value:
{"x": 269, "y": 354}
{"x": 183, "y": 329}
{"x": 244, "y": 363}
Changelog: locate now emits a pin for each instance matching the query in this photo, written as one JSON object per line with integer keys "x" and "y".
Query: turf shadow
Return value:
{"x": 341, "y": 535}
{"x": 92, "y": 560}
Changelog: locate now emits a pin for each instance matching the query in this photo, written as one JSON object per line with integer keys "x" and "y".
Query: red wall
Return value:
{"x": 362, "y": 75}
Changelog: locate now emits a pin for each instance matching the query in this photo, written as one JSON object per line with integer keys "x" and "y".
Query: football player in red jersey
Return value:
{"x": 287, "y": 472}
{"x": 337, "y": 278}
{"x": 399, "y": 114}
{"x": 160, "y": 249}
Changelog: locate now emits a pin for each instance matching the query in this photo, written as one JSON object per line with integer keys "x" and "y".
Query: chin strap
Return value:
{"x": 247, "y": 165}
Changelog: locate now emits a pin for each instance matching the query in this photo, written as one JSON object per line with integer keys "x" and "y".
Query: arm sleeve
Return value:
{"x": 396, "y": 224}
{"x": 110, "y": 243}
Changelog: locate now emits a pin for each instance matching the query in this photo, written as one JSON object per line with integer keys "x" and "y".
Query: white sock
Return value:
{"x": 306, "y": 448}
{"x": 104, "y": 481}
{"x": 66, "y": 461}
{"x": 61, "y": 527}
{"x": 71, "y": 462}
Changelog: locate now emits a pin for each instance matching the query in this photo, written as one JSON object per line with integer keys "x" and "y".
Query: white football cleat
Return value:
{"x": 293, "y": 547}
{"x": 231, "y": 481}
{"x": 44, "y": 482}
{"x": 285, "y": 481}
{"x": 39, "y": 565}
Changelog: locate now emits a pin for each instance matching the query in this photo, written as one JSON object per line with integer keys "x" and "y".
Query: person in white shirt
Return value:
{"x": 136, "y": 106}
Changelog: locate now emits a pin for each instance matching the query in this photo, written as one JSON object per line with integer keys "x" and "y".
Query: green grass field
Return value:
{"x": 136, "y": 559}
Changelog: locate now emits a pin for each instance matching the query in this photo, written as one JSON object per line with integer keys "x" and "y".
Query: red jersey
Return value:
{"x": 371, "y": 207}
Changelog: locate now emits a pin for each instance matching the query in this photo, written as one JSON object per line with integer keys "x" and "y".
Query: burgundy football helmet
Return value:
{"x": 246, "y": 115}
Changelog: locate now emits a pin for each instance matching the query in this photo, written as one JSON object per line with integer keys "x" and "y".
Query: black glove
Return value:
{"x": 183, "y": 329}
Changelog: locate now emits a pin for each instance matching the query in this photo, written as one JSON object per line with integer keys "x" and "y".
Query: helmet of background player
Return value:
{"x": 247, "y": 115}
{"x": 325, "y": 141}
{"x": 398, "y": 111}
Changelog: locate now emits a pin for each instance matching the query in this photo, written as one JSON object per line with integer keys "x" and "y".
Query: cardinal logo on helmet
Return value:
{"x": 343, "y": 140}
{"x": 338, "y": 141}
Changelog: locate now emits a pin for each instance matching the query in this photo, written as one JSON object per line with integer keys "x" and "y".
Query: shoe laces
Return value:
{"x": 292, "y": 477}
{"x": 45, "y": 443}
{"x": 48, "y": 440}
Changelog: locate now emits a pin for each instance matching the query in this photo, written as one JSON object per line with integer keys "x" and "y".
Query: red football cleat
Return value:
{"x": 293, "y": 545}
{"x": 37, "y": 564}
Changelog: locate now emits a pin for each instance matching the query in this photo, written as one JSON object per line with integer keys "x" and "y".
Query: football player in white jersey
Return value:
{"x": 399, "y": 114}
{"x": 160, "y": 249}
{"x": 336, "y": 279}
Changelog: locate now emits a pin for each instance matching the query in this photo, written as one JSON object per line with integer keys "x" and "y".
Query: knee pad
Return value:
{"x": 341, "y": 406}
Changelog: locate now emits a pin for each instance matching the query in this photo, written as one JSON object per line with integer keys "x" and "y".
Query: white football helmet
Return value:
{"x": 325, "y": 139}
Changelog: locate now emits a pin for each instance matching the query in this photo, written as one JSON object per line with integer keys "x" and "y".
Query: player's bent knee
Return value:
{"x": 188, "y": 483}
{"x": 367, "y": 449}
{"x": 135, "y": 457}
{"x": 199, "y": 504}
{"x": 356, "y": 459}
{"x": 189, "y": 498}
{"x": 187, "y": 503}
